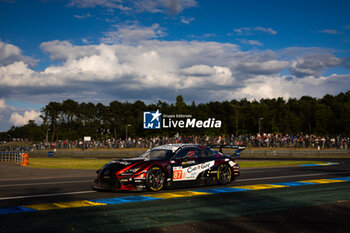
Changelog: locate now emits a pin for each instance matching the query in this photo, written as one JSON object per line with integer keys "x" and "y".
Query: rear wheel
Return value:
{"x": 155, "y": 179}
{"x": 224, "y": 174}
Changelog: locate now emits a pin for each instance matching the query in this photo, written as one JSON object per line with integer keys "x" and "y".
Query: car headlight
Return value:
{"x": 131, "y": 170}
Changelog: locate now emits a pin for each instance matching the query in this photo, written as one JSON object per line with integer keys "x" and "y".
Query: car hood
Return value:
{"x": 119, "y": 164}
{"x": 128, "y": 161}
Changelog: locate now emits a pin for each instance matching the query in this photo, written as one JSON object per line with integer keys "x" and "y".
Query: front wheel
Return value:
{"x": 224, "y": 174}
{"x": 155, "y": 179}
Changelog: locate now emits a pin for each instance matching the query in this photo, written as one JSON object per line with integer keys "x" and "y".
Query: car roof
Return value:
{"x": 175, "y": 147}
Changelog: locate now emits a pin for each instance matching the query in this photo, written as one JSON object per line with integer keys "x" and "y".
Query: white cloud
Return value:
{"x": 186, "y": 20}
{"x": 19, "y": 120}
{"x": 264, "y": 87}
{"x": 2, "y": 104}
{"x": 274, "y": 86}
{"x": 243, "y": 30}
{"x": 199, "y": 70}
{"x": 261, "y": 67}
{"x": 102, "y": 3}
{"x": 265, "y": 30}
{"x": 251, "y": 30}
{"x": 330, "y": 31}
{"x": 304, "y": 51}
{"x": 7, "y": 51}
{"x": 16, "y": 74}
{"x": 84, "y": 16}
{"x": 204, "y": 36}
{"x": 203, "y": 75}
{"x": 255, "y": 42}
{"x": 133, "y": 33}
{"x": 153, "y": 70}
{"x": 314, "y": 65}
{"x": 10, "y": 53}
{"x": 64, "y": 50}
{"x": 172, "y": 7}
{"x": 119, "y": 70}
{"x": 12, "y": 116}
{"x": 250, "y": 42}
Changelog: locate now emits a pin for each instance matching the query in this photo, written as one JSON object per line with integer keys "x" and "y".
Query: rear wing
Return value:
{"x": 238, "y": 149}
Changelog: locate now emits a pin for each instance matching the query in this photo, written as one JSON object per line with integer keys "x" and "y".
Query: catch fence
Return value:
{"x": 13, "y": 157}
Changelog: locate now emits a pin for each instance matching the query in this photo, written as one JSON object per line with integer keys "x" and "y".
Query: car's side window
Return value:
{"x": 189, "y": 152}
{"x": 205, "y": 153}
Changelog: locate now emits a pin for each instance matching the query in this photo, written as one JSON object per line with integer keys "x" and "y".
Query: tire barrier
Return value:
{"x": 25, "y": 159}
{"x": 14, "y": 157}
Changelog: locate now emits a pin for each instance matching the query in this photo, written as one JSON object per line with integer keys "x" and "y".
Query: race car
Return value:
{"x": 169, "y": 166}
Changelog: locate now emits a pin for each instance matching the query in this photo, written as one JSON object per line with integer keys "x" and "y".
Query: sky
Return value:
{"x": 150, "y": 50}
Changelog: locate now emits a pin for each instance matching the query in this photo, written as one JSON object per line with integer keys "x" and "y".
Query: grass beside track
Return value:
{"x": 98, "y": 163}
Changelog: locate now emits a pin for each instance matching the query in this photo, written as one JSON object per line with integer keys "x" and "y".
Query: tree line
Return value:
{"x": 70, "y": 120}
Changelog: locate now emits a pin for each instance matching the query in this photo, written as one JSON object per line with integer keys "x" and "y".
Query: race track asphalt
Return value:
{"x": 323, "y": 207}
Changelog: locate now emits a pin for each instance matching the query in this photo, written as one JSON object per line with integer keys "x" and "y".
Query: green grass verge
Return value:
{"x": 98, "y": 163}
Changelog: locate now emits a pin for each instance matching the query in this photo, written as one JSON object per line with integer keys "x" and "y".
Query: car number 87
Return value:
{"x": 177, "y": 175}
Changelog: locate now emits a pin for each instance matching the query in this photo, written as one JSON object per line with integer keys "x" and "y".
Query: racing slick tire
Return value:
{"x": 224, "y": 174}
{"x": 155, "y": 179}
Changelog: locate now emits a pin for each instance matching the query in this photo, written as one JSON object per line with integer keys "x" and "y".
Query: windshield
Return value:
{"x": 157, "y": 153}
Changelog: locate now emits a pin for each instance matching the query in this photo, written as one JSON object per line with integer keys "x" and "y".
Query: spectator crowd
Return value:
{"x": 251, "y": 141}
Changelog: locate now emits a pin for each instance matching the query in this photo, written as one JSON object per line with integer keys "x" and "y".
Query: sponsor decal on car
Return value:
{"x": 190, "y": 173}
{"x": 188, "y": 162}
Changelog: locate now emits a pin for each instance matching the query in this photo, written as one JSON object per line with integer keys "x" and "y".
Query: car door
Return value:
{"x": 189, "y": 164}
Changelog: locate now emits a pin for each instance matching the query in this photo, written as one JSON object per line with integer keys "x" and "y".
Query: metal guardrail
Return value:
{"x": 11, "y": 157}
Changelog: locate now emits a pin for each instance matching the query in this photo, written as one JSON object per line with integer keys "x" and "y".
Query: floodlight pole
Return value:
{"x": 259, "y": 125}
{"x": 126, "y": 132}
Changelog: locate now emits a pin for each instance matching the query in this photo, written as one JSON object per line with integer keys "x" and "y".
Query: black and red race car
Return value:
{"x": 169, "y": 166}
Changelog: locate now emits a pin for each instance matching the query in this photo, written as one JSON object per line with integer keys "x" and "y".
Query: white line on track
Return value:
{"x": 45, "y": 183}
{"x": 261, "y": 170}
{"x": 302, "y": 175}
{"x": 277, "y": 169}
{"x": 46, "y": 195}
